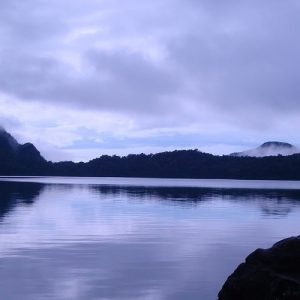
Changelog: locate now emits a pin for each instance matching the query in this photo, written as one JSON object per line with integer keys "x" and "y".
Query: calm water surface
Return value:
{"x": 152, "y": 239}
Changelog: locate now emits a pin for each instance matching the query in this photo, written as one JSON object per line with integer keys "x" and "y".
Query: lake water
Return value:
{"x": 152, "y": 239}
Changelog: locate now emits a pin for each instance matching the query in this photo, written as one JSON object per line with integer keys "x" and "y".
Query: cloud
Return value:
{"x": 162, "y": 66}
{"x": 142, "y": 57}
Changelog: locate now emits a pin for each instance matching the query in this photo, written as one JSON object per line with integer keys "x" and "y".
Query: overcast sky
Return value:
{"x": 81, "y": 78}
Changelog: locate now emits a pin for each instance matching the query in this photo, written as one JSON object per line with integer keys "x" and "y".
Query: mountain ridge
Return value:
{"x": 26, "y": 160}
{"x": 18, "y": 158}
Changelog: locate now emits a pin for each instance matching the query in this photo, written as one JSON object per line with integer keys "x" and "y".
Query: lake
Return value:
{"x": 118, "y": 238}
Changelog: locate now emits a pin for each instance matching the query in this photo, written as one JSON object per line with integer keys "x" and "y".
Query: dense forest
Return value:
{"x": 25, "y": 159}
{"x": 183, "y": 164}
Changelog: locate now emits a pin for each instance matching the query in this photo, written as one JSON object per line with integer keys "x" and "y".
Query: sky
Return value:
{"x": 82, "y": 78}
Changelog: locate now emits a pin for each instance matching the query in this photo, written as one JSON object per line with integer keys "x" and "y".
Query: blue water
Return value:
{"x": 115, "y": 238}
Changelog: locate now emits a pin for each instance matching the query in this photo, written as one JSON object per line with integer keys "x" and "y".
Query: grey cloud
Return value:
{"x": 246, "y": 64}
{"x": 28, "y": 23}
{"x": 228, "y": 55}
{"x": 112, "y": 81}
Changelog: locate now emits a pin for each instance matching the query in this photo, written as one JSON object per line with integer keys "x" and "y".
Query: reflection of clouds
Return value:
{"x": 127, "y": 182}
{"x": 69, "y": 213}
{"x": 120, "y": 271}
{"x": 111, "y": 271}
{"x": 87, "y": 242}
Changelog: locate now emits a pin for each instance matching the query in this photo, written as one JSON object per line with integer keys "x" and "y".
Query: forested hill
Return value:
{"x": 184, "y": 164}
{"x": 16, "y": 159}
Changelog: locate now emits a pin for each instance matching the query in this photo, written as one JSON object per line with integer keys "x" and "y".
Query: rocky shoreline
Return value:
{"x": 267, "y": 274}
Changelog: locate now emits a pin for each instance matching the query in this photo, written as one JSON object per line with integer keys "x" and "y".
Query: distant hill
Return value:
{"x": 270, "y": 149}
{"x": 17, "y": 159}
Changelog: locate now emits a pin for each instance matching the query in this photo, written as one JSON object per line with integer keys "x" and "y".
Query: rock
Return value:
{"x": 271, "y": 274}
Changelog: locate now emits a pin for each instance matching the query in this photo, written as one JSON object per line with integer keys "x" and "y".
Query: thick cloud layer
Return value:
{"x": 209, "y": 65}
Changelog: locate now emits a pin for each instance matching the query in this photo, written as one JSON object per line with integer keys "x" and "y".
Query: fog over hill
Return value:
{"x": 270, "y": 149}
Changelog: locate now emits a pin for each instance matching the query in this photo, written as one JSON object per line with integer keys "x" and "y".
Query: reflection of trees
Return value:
{"x": 197, "y": 194}
{"x": 278, "y": 209}
{"x": 14, "y": 193}
{"x": 272, "y": 202}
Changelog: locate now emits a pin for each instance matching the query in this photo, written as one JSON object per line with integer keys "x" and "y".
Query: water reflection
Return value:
{"x": 277, "y": 203}
{"x": 272, "y": 202}
{"x": 17, "y": 193}
{"x": 69, "y": 241}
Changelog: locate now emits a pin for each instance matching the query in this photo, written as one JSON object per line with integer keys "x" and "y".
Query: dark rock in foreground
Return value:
{"x": 271, "y": 274}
